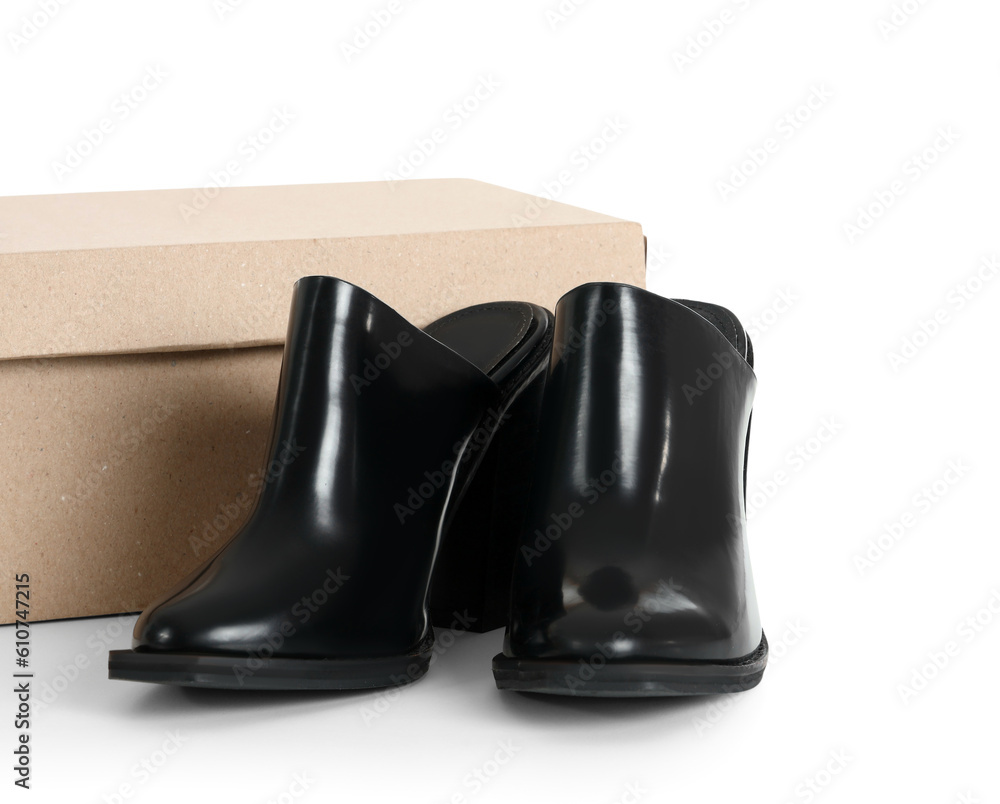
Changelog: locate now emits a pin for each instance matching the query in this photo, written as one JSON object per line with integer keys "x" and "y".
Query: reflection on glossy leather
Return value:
{"x": 325, "y": 567}
{"x": 635, "y": 537}
{"x": 607, "y": 589}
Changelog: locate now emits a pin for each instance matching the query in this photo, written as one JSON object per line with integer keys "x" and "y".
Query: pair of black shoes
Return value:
{"x": 578, "y": 477}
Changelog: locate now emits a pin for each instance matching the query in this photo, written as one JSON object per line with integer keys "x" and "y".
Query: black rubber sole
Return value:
{"x": 648, "y": 679}
{"x": 253, "y": 673}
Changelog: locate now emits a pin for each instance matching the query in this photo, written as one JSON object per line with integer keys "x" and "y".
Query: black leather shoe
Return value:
{"x": 380, "y": 429}
{"x": 632, "y": 576}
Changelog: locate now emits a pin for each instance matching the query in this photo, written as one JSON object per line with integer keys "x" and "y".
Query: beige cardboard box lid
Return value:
{"x": 172, "y": 270}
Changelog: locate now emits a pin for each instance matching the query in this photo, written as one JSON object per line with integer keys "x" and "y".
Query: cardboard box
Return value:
{"x": 140, "y": 344}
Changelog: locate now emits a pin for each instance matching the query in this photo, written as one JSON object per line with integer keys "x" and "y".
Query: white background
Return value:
{"x": 826, "y": 308}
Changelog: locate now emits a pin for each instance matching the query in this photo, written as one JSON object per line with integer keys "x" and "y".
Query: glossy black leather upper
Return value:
{"x": 635, "y": 546}
{"x": 369, "y": 408}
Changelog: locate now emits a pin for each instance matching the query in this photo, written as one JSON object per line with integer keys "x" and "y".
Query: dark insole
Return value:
{"x": 724, "y": 321}
{"x": 489, "y": 335}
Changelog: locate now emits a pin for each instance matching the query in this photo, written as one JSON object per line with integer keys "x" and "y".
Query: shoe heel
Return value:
{"x": 470, "y": 588}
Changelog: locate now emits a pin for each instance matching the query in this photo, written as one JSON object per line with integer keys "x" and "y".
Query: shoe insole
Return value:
{"x": 724, "y": 321}
{"x": 491, "y": 336}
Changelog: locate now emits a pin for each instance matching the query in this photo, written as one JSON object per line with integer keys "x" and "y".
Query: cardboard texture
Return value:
{"x": 140, "y": 345}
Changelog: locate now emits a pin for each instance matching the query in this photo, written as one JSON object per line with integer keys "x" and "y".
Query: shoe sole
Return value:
{"x": 640, "y": 679}
{"x": 253, "y": 673}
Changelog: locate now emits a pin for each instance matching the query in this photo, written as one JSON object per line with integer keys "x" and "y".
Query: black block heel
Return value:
{"x": 471, "y": 586}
